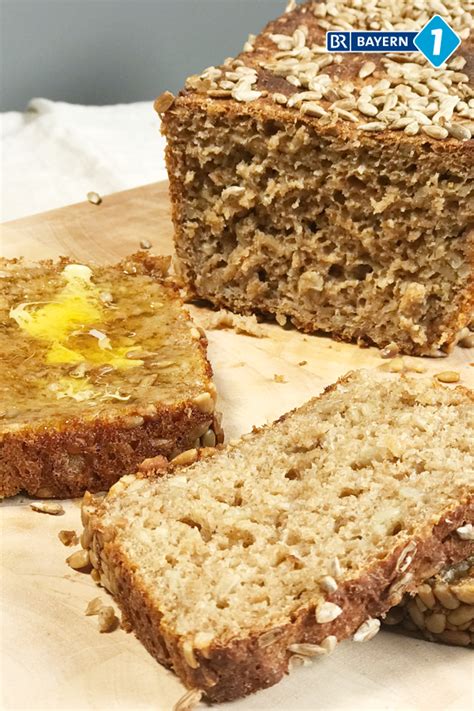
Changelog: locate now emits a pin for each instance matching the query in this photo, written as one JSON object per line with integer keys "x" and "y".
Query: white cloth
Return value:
{"x": 55, "y": 153}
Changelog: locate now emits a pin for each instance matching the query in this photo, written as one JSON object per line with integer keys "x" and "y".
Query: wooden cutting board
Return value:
{"x": 53, "y": 657}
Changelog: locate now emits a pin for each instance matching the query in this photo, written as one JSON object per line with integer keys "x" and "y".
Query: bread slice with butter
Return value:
{"x": 268, "y": 552}
{"x": 102, "y": 367}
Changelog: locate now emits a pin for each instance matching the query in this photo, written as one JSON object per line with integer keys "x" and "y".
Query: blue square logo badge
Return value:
{"x": 437, "y": 41}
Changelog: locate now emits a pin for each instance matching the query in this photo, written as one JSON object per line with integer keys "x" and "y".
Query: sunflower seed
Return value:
{"x": 279, "y": 98}
{"x": 346, "y": 115}
{"x": 327, "y": 612}
{"x": 94, "y": 606}
{"x": 307, "y": 650}
{"x": 462, "y": 133}
{"x": 68, "y": 538}
{"x": 106, "y": 619}
{"x": 367, "y": 69}
{"x": 328, "y": 584}
{"x": 187, "y": 702}
{"x": 367, "y": 108}
{"x": 298, "y": 660}
{"x": 329, "y": 643}
{"x": 78, "y": 560}
{"x": 312, "y": 109}
{"x": 367, "y": 630}
{"x": 164, "y": 102}
{"x": 94, "y": 198}
{"x": 372, "y": 126}
{"x": 466, "y": 532}
{"x": 412, "y": 129}
{"x": 47, "y": 507}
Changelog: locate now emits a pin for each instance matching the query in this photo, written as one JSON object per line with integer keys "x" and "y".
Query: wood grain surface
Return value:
{"x": 52, "y": 655}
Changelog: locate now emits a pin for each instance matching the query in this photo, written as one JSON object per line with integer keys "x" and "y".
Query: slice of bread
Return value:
{"x": 101, "y": 368}
{"x": 442, "y": 610}
{"x": 302, "y": 533}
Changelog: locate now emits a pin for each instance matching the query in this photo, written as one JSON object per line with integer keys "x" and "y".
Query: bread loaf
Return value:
{"x": 332, "y": 191}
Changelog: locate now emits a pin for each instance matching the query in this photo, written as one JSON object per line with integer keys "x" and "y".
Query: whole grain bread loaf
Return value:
{"x": 101, "y": 368}
{"x": 271, "y": 550}
{"x": 331, "y": 190}
{"x": 442, "y": 609}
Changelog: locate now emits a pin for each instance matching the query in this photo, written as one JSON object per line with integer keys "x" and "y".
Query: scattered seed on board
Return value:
{"x": 389, "y": 351}
{"x": 94, "y": 198}
{"x": 190, "y": 699}
{"x": 466, "y": 342}
{"x": 94, "y": 606}
{"x": 448, "y": 376}
{"x": 279, "y": 378}
{"x": 367, "y": 630}
{"x": 145, "y": 244}
{"x": 298, "y": 660}
{"x": 107, "y": 619}
{"x": 48, "y": 507}
{"x": 78, "y": 560}
{"x": 68, "y": 538}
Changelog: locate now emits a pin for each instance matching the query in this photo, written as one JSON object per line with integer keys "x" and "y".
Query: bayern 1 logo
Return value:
{"x": 436, "y": 41}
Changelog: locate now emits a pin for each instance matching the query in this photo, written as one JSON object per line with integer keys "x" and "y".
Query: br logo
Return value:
{"x": 338, "y": 42}
{"x": 436, "y": 41}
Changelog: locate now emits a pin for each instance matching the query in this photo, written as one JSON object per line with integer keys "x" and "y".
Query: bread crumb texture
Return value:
{"x": 242, "y": 542}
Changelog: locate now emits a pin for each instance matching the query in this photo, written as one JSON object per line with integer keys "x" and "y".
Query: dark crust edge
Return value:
{"x": 37, "y": 460}
{"x": 241, "y": 667}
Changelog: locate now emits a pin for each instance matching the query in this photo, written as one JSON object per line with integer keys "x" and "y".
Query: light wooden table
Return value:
{"x": 52, "y": 656}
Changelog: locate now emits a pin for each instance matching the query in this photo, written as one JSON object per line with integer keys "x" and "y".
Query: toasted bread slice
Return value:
{"x": 101, "y": 368}
{"x": 327, "y": 190}
{"x": 298, "y": 536}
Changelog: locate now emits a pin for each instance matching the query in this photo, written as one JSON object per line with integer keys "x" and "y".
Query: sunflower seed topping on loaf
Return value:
{"x": 218, "y": 565}
{"x": 411, "y": 93}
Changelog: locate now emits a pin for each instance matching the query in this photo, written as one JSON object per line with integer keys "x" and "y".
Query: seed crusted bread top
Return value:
{"x": 296, "y": 534}
{"x": 389, "y": 96}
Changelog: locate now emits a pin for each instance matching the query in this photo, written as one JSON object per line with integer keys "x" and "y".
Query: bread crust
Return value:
{"x": 65, "y": 458}
{"x": 242, "y": 666}
{"x": 92, "y": 456}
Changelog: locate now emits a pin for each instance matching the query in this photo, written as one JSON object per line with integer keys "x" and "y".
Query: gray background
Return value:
{"x": 113, "y": 51}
